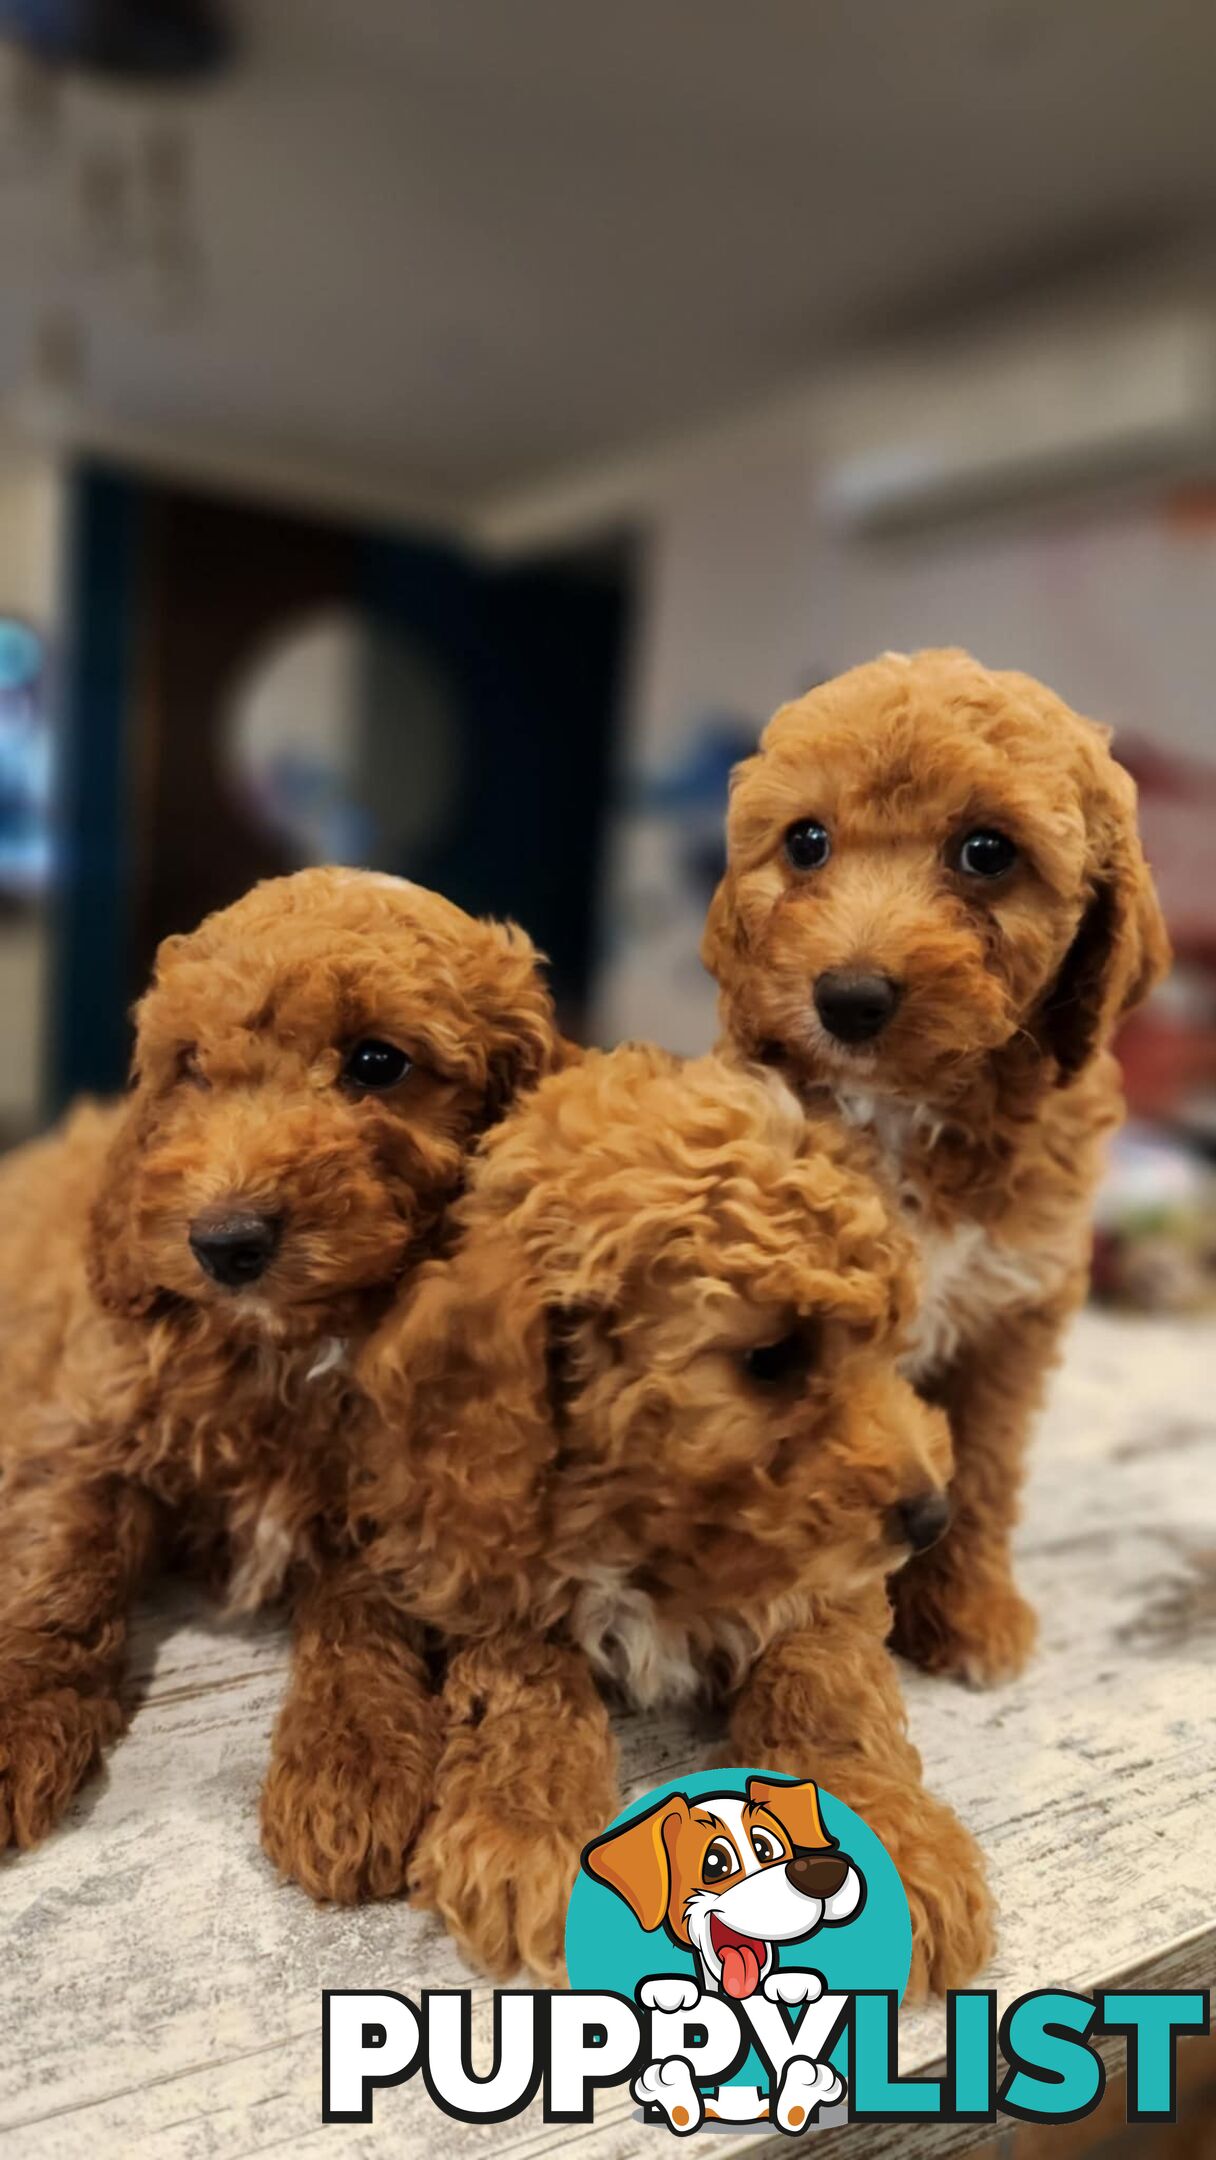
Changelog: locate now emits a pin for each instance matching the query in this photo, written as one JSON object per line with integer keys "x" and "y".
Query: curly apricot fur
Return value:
{"x": 579, "y": 1472}
{"x": 148, "y": 1414}
{"x": 992, "y": 1084}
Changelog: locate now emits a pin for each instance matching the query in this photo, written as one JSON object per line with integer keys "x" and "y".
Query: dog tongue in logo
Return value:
{"x": 741, "y": 1957}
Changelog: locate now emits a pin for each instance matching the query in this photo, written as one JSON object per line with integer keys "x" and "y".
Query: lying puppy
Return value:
{"x": 182, "y": 1281}
{"x": 935, "y": 911}
{"x": 656, "y": 1439}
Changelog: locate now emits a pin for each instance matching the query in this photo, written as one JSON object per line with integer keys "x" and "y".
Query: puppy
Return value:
{"x": 655, "y": 1439}
{"x": 936, "y": 910}
{"x": 185, "y": 1279}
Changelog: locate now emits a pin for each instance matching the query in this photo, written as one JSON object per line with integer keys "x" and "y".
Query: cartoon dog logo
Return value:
{"x": 732, "y": 1877}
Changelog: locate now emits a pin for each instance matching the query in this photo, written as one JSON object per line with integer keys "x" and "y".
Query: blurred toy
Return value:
{"x": 1155, "y": 1225}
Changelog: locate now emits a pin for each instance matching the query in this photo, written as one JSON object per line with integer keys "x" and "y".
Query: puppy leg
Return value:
{"x": 957, "y": 1607}
{"x": 70, "y": 1558}
{"x": 527, "y": 1778}
{"x": 826, "y": 1704}
{"x": 353, "y": 1758}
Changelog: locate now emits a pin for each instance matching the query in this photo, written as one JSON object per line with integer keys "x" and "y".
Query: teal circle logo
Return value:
{"x": 753, "y": 1890}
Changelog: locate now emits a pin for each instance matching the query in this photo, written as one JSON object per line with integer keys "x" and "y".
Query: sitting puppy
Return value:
{"x": 935, "y": 911}
{"x": 655, "y": 1438}
{"x": 183, "y": 1279}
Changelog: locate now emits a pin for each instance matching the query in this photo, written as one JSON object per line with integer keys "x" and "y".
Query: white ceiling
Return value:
{"x": 455, "y": 246}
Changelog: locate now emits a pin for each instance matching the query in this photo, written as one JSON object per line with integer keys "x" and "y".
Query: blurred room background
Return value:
{"x": 438, "y": 435}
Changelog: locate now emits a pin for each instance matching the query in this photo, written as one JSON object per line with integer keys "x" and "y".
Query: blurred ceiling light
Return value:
{"x": 151, "y": 41}
{"x": 29, "y": 111}
{"x": 45, "y": 405}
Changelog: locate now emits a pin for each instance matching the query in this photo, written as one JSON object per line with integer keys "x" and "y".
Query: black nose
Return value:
{"x": 920, "y": 1522}
{"x": 817, "y": 1874}
{"x": 854, "y": 1007}
{"x": 234, "y": 1249}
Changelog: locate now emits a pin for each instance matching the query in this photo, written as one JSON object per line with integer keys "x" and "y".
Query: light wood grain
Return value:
{"x": 160, "y": 1994}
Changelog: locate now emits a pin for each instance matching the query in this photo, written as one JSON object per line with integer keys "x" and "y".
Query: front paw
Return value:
{"x": 501, "y": 1886}
{"x": 48, "y": 1745}
{"x": 981, "y": 1631}
{"x": 949, "y": 1902}
{"x": 340, "y": 1814}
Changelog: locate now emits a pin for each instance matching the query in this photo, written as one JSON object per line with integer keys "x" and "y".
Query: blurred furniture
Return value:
{"x": 161, "y": 1992}
{"x": 1168, "y": 1049}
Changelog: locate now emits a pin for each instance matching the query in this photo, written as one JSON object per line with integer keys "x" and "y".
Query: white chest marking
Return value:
{"x": 967, "y": 1275}
{"x": 617, "y": 1628}
{"x": 261, "y": 1571}
{"x": 893, "y": 1123}
{"x": 653, "y": 1659}
{"x": 330, "y": 1357}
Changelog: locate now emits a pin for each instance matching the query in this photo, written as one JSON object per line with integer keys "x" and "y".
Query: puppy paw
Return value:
{"x": 949, "y": 1902}
{"x": 982, "y": 1632}
{"x": 501, "y": 1886}
{"x": 340, "y": 1816}
{"x": 48, "y": 1746}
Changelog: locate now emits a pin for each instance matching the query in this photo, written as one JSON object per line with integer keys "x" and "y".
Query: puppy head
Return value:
{"x": 311, "y": 1066}
{"x": 668, "y": 1330}
{"x": 731, "y": 1876}
{"x": 927, "y": 860}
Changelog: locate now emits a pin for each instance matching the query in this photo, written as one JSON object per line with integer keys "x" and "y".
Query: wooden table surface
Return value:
{"x": 160, "y": 1993}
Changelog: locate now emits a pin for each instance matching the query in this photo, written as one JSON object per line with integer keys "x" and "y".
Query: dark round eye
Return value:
{"x": 987, "y": 854}
{"x": 719, "y": 1861}
{"x": 807, "y": 844}
{"x": 769, "y": 1364}
{"x": 765, "y": 1847}
{"x": 375, "y": 1065}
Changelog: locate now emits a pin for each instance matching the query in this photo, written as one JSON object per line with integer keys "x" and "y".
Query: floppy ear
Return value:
{"x": 523, "y": 1042}
{"x": 1121, "y": 947}
{"x": 635, "y": 1862}
{"x": 458, "y": 1375}
{"x": 723, "y": 940}
{"x": 797, "y": 1806}
{"x": 114, "y": 1276}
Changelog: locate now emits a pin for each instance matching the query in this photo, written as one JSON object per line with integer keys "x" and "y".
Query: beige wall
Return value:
{"x": 750, "y": 595}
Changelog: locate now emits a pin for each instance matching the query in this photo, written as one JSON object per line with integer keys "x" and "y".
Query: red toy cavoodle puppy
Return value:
{"x": 644, "y": 1430}
{"x": 936, "y": 909}
{"x": 184, "y": 1281}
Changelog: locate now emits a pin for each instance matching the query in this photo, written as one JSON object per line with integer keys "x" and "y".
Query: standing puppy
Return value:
{"x": 935, "y": 911}
{"x": 185, "y": 1280}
